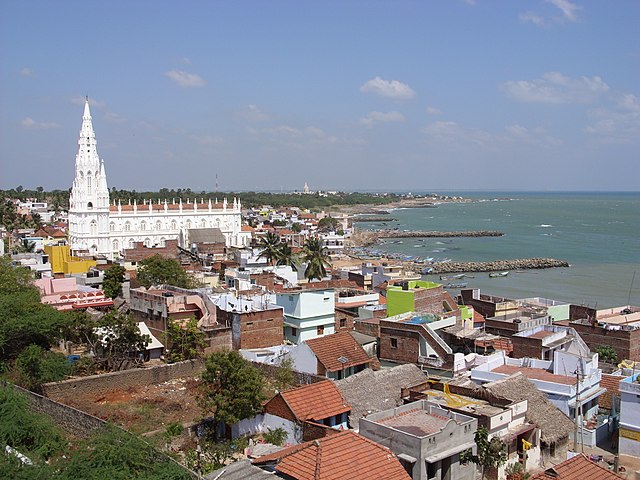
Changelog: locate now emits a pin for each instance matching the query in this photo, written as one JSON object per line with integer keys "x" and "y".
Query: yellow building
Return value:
{"x": 63, "y": 262}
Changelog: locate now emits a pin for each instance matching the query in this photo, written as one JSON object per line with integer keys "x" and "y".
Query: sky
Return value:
{"x": 345, "y": 95}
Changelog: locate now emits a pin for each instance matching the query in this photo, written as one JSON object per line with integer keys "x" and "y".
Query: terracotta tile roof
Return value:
{"x": 612, "y": 384}
{"x": 340, "y": 456}
{"x": 338, "y": 351}
{"x": 577, "y": 468}
{"x": 535, "y": 374}
{"x": 541, "y": 334}
{"x": 316, "y": 401}
{"x": 247, "y": 228}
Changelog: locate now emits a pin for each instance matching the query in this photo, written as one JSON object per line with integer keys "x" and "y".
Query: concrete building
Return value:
{"x": 568, "y": 381}
{"x": 412, "y": 338}
{"x": 307, "y": 313}
{"x": 487, "y": 305}
{"x": 420, "y": 296}
{"x": 618, "y": 328}
{"x": 557, "y": 310}
{"x": 427, "y": 439}
{"x": 98, "y": 227}
{"x": 65, "y": 294}
{"x": 629, "y": 439}
{"x": 542, "y": 341}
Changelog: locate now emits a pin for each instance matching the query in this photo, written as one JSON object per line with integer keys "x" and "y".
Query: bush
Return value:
{"x": 275, "y": 437}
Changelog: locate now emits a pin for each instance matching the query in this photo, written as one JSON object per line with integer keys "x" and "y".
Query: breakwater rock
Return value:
{"x": 399, "y": 234}
{"x": 499, "y": 265}
{"x": 373, "y": 218}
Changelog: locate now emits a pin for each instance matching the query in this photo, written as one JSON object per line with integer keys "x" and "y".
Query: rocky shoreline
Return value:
{"x": 498, "y": 265}
{"x": 373, "y": 218}
{"x": 436, "y": 234}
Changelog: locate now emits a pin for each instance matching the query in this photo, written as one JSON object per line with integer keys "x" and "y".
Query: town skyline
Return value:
{"x": 397, "y": 97}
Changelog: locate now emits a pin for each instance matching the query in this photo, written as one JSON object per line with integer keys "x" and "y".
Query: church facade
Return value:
{"x": 101, "y": 227}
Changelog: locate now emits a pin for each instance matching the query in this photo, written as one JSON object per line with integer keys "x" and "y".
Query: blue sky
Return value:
{"x": 349, "y": 95}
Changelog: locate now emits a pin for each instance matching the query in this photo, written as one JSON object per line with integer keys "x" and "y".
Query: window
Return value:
{"x": 394, "y": 343}
{"x": 343, "y": 322}
{"x": 294, "y": 331}
{"x": 112, "y": 227}
{"x": 127, "y": 227}
{"x": 320, "y": 330}
{"x": 249, "y": 324}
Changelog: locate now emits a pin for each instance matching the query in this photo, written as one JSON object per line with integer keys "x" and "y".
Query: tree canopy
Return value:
{"x": 232, "y": 388}
{"x": 159, "y": 270}
{"x": 316, "y": 258}
{"x": 112, "y": 282}
{"x": 184, "y": 341}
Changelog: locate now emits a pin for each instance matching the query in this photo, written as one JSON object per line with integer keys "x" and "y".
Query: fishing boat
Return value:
{"x": 452, "y": 277}
{"x": 498, "y": 274}
{"x": 455, "y": 285}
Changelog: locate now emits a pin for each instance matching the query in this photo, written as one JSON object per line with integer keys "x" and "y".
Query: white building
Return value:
{"x": 629, "y": 439}
{"x": 98, "y": 227}
{"x": 307, "y": 314}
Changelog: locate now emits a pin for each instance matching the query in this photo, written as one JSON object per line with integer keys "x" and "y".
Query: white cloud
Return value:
{"x": 207, "y": 139}
{"x": 532, "y": 17}
{"x": 569, "y": 10}
{"x": 114, "y": 117}
{"x": 556, "y": 88}
{"x": 185, "y": 61}
{"x": 434, "y": 111}
{"x": 30, "y": 123}
{"x": 618, "y": 124}
{"x": 79, "y": 100}
{"x": 309, "y": 134}
{"x": 455, "y": 134}
{"x": 388, "y": 88}
{"x": 253, "y": 114}
{"x": 26, "y": 72}
{"x": 381, "y": 117}
{"x": 185, "y": 79}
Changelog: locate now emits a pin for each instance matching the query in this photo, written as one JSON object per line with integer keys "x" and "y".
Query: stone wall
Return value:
{"x": 527, "y": 347}
{"x": 407, "y": 345}
{"x": 71, "y": 420}
{"x": 94, "y": 386}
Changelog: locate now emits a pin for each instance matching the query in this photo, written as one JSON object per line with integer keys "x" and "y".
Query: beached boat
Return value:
{"x": 455, "y": 285}
{"x": 498, "y": 274}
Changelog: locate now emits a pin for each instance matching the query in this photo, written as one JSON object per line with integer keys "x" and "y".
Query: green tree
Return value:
{"x": 30, "y": 433}
{"x": 232, "y": 388}
{"x": 23, "y": 319}
{"x": 270, "y": 246}
{"x": 328, "y": 224}
{"x": 112, "y": 282}
{"x": 284, "y": 377}
{"x": 316, "y": 258}
{"x": 159, "y": 270}
{"x": 287, "y": 257}
{"x": 185, "y": 341}
{"x": 119, "y": 455}
{"x": 296, "y": 227}
{"x": 490, "y": 453}
{"x": 117, "y": 340}
{"x": 35, "y": 366}
{"x": 607, "y": 354}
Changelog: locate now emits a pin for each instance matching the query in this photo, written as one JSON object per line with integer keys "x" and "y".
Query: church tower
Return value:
{"x": 89, "y": 199}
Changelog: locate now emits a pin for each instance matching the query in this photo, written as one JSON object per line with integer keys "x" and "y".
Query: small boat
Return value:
{"x": 455, "y": 285}
{"x": 452, "y": 277}
{"x": 498, "y": 274}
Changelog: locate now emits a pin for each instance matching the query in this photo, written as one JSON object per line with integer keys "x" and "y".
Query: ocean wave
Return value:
{"x": 544, "y": 225}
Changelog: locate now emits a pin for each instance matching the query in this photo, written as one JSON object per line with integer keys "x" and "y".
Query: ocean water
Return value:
{"x": 597, "y": 233}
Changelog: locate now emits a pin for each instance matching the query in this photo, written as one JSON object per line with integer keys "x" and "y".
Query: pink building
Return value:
{"x": 64, "y": 294}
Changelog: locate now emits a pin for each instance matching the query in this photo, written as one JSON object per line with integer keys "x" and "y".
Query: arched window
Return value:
{"x": 174, "y": 225}
{"x": 93, "y": 228}
{"x": 90, "y": 206}
{"x": 188, "y": 224}
{"x": 203, "y": 223}
{"x": 143, "y": 225}
{"x": 112, "y": 227}
{"x": 127, "y": 226}
{"x": 116, "y": 246}
{"x": 147, "y": 242}
{"x": 131, "y": 243}
{"x": 162, "y": 242}
{"x": 158, "y": 225}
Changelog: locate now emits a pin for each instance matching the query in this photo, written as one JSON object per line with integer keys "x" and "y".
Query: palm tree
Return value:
{"x": 286, "y": 256}
{"x": 270, "y": 246}
{"x": 316, "y": 257}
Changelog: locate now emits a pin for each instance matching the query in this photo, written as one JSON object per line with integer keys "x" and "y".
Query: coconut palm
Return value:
{"x": 286, "y": 256}
{"x": 316, "y": 258}
{"x": 270, "y": 245}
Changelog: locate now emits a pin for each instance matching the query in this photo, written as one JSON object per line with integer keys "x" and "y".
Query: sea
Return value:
{"x": 597, "y": 233}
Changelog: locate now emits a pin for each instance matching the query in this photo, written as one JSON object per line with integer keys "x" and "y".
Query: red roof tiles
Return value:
{"x": 535, "y": 374}
{"x": 577, "y": 468}
{"x": 338, "y": 351}
{"x": 315, "y": 401}
{"x": 337, "y": 457}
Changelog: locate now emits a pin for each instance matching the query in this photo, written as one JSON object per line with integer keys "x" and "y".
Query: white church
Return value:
{"x": 98, "y": 227}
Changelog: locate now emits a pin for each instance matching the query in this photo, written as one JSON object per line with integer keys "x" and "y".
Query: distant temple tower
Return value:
{"x": 89, "y": 199}
{"x": 306, "y": 188}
